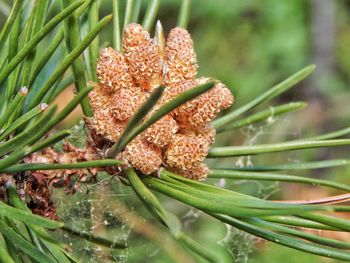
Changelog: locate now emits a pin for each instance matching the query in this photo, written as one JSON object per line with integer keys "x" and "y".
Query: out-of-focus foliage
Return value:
{"x": 250, "y": 45}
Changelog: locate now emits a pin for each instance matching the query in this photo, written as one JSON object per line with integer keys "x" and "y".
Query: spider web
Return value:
{"x": 239, "y": 243}
{"x": 92, "y": 210}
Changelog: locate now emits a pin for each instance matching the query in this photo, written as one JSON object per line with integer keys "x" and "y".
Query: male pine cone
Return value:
{"x": 180, "y": 140}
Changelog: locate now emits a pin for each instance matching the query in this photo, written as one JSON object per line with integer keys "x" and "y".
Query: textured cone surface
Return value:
{"x": 180, "y": 140}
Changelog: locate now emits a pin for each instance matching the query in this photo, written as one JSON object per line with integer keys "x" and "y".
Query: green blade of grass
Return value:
{"x": 135, "y": 120}
{"x": 58, "y": 166}
{"x": 264, "y": 115}
{"x": 14, "y": 36}
{"x": 40, "y": 15}
{"x": 166, "y": 108}
{"x": 76, "y": 52}
{"x": 231, "y": 151}
{"x": 284, "y": 240}
{"x": 24, "y": 245}
{"x": 29, "y": 24}
{"x": 184, "y": 14}
{"x": 34, "y": 238}
{"x": 70, "y": 257}
{"x": 36, "y": 39}
{"x": 151, "y": 13}
{"x": 4, "y": 33}
{"x": 268, "y": 95}
{"x": 242, "y": 175}
{"x": 153, "y": 204}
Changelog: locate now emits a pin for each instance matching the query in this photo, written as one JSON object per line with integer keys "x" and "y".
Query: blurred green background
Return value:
{"x": 249, "y": 45}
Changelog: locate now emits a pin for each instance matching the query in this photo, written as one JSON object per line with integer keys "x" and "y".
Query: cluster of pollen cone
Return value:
{"x": 180, "y": 140}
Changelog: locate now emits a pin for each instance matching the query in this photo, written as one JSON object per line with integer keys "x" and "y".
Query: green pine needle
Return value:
{"x": 231, "y": 151}
{"x": 268, "y": 95}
